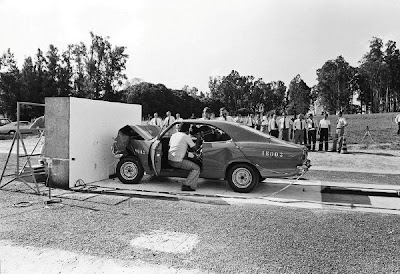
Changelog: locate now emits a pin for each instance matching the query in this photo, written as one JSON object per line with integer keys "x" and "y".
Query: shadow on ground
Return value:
{"x": 374, "y": 153}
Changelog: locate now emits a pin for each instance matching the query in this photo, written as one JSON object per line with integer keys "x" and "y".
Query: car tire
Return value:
{"x": 129, "y": 170}
{"x": 243, "y": 178}
{"x": 11, "y": 132}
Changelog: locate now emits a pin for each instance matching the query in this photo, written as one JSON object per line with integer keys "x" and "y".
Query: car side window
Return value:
{"x": 213, "y": 134}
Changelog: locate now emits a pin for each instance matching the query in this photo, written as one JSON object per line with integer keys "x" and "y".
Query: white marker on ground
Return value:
{"x": 166, "y": 241}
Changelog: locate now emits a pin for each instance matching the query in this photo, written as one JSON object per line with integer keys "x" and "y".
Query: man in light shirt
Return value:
{"x": 178, "y": 117}
{"x": 179, "y": 144}
{"x": 397, "y": 120}
{"x": 311, "y": 131}
{"x": 239, "y": 119}
{"x": 299, "y": 126}
{"x": 285, "y": 126}
{"x": 156, "y": 121}
{"x": 273, "y": 126}
{"x": 265, "y": 126}
{"x": 341, "y": 123}
{"x": 169, "y": 119}
{"x": 206, "y": 115}
{"x": 223, "y": 115}
{"x": 324, "y": 129}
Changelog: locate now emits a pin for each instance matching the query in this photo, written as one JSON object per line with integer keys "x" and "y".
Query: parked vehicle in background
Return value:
{"x": 11, "y": 128}
{"x": 239, "y": 154}
{"x": 4, "y": 121}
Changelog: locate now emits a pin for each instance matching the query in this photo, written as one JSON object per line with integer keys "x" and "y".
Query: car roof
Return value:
{"x": 237, "y": 131}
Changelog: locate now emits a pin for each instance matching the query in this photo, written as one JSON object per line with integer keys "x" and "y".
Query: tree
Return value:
{"x": 334, "y": 84}
{"x": 105, "y": 66}
{"x": 52, "y": 74}
{"x": 235, "y": 91}
{"x": 392, "y": 61}
{"x": 65, "y": 73}
{"x": 372, "y": 64}
{"x": 160, "y": 99}
{"x": 10, "y": 85}
{"x": 299, "y": 96}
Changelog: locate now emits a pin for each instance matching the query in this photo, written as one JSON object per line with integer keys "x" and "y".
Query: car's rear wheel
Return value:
{"x": 243, "y": 178}
{"x": 129, "y": 170}
{"x": 11, "y": 132}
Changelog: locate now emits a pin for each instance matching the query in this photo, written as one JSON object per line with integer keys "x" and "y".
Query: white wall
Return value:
{"x": 93, "y": 127}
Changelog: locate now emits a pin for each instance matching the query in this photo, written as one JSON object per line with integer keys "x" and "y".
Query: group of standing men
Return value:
{"x": 302, "y": 129}
{"x": 305, "y": 130}
{"x": 169, "y": 119}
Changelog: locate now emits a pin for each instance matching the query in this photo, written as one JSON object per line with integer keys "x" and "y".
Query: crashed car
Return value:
{"x": 239, "y": 154}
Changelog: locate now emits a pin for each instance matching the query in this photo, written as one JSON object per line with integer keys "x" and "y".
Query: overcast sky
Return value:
{"x": 184, "y": 42}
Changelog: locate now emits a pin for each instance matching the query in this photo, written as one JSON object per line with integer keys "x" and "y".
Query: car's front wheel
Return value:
{"x": 243, "y": 178}
{"x": 130, "y": 170}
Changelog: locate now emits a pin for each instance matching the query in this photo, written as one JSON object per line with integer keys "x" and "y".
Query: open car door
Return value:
{"x": 155, "y": 156}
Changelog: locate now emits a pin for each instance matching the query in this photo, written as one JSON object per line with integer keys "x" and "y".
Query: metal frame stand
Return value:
{"x": 19, "y": 174}
{"x": 367, "y": 133}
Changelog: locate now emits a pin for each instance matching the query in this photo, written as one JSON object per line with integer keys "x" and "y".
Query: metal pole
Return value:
{"x": 18, "y": 113}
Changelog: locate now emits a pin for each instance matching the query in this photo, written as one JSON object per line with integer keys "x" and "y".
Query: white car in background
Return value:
{"x": 4, "y": 121}
{"x": 11, "y": 128}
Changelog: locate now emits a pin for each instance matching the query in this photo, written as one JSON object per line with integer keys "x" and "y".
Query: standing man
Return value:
{"x": 257, "y": 121}
{"x": 299, "y": 126}
{"x": 341, "y": 123}
{"x": 206, "y": 115}
{"x": 39, "y": 124}
{"x": 397, "y": 120}
{"x": 324, "y": 129}
{"x": 264, "y": 124}
{"x": 179, "y": 143}
{"x": 250, "y": 120}
{"x": 156, "y": 121}
{"x": 273, "y": 126}
{"x": 223, "y": 115}
{"x": 312, "y": 134}
{"x": 178, "y": 117}
{"x": 168, "y": 120}
{"x": 285, "y": 126}
{"x": 239, "y": 119}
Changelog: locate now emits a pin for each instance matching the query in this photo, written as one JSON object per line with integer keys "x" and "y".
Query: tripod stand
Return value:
{"x": 367, "y": 133}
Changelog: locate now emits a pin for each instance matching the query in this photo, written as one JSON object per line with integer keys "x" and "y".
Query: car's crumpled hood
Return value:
{"x": 135, "y": 132}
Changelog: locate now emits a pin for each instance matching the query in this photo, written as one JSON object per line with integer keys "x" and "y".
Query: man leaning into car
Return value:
{"x": 179, "y": 143}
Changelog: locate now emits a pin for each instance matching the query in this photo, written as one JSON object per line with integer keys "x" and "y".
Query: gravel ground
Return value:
{"x": 233, "y": 239}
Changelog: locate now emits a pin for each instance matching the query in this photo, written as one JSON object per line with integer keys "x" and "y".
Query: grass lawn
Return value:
{"x": 381, "y": 126}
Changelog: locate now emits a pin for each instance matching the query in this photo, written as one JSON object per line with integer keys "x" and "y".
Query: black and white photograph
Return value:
{"x": 183, "y": 136}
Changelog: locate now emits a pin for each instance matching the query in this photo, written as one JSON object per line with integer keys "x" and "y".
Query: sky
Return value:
{"x": 184, "y": 42}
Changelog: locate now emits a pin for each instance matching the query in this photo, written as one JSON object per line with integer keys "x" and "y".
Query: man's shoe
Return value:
{"x": 187, "y": 188}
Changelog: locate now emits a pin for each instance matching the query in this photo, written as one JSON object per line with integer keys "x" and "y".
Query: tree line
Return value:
{"x": 97, "y": 71}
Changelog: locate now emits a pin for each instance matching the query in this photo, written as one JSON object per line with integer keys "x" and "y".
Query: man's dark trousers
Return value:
{"x": 323, "y": 138}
